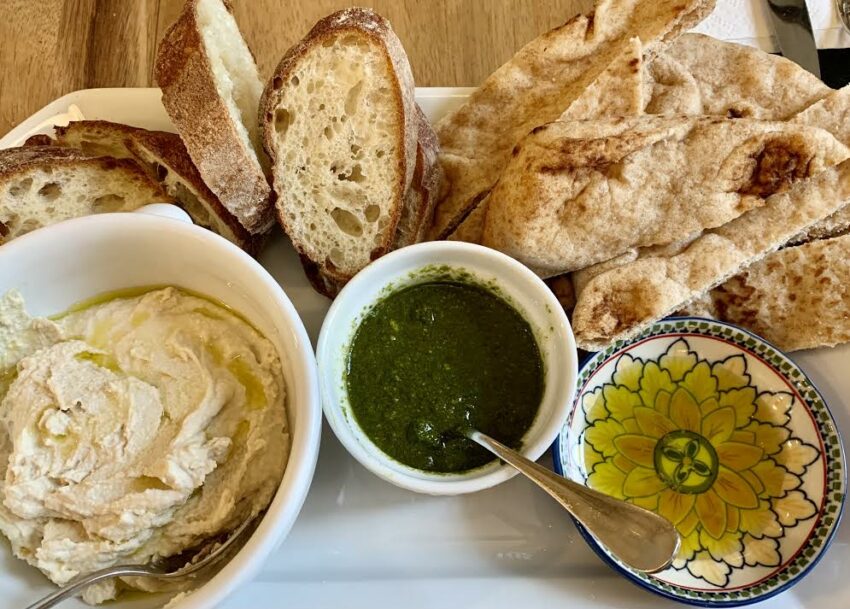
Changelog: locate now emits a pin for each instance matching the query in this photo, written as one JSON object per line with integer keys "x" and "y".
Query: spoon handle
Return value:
{"x": 639, "y": 538}
{"x": 79, "y": 583}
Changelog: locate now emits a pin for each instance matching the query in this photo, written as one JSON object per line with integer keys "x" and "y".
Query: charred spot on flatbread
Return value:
{"x": 780, "y": 162}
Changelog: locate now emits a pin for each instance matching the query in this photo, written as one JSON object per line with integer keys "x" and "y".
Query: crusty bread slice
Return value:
{"x": 211, "y": 88}
{"x": 415, "y": 214}
{"x": 166, "y": 159}
{"x": 424, "y": 189}
{"x": 340, "y": 125}
{"x": 797, "y": 298}
{"x": 42, "y": 185}
{"x": 656, "y": 179}
{"x": 618, "y": 303}
{"x": 536, "y": 85}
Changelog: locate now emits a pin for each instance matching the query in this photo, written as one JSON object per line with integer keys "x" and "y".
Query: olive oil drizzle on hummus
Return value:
{"x": 134, "y": 425}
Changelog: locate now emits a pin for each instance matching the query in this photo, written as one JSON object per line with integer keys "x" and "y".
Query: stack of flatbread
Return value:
{"x": 647, "y": 172}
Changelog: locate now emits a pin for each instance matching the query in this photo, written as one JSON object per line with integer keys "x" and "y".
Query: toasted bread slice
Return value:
{"x": 211, "y": 88}
{"x": 42, "y": 185}
{"x": 618, "y": 303}
{"x": 340, "y": 126}
{"x": 166, "y": 159}
{"x": 797, "y": 298}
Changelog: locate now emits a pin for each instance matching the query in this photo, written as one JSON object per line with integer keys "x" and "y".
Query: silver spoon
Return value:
{"x": 183, "y": 565}
{"x": 637, "y": 537}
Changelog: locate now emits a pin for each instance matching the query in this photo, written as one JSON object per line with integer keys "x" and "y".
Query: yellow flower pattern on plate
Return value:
{"x": 698, "y": 443}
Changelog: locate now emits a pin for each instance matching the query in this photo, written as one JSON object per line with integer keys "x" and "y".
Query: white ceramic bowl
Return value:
{"x": 55, "y": 267}
{"x": 418, "y": 263}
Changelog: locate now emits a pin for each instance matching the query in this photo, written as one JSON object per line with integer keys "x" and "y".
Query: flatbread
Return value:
{"x": 618, "y": 303}
{"x": 536, "y": 85}
{"x": 617, "y": 91}
{"x": 699, "y": 75}
{"x": 578, "y": 193}
{"x": 797, "y": 298}
{"x": 831, "y": 113}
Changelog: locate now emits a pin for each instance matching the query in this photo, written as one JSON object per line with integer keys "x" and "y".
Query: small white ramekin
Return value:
{"x": 418, "y": 263}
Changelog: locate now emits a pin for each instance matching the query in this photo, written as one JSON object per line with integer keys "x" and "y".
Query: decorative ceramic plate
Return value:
{"x": 718, "y": 431}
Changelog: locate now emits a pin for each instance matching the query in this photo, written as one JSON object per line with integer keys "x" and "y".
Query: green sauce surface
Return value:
{"x": 436, "y": 358}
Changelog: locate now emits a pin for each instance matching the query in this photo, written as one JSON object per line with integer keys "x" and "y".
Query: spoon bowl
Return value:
{"x": 641, "y": 539}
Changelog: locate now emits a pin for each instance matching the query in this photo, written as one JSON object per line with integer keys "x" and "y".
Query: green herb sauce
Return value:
{"x": 436, "y": 358}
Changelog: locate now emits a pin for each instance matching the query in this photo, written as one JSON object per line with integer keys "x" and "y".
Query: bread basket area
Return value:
{"x": 666, "y": 217}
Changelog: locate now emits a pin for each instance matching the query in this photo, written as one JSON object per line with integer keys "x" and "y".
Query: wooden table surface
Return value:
{"x": 52, "y": 47}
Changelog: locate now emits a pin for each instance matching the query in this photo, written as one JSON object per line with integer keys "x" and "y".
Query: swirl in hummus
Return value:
{"x": 133, "y": 429}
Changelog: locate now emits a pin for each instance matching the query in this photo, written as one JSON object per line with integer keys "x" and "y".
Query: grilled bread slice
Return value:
{"x": 166, "y": 159}
{"x": 211, "y": 88}
{"x": 42, "y": 185}
{"x": 340, "y": 125}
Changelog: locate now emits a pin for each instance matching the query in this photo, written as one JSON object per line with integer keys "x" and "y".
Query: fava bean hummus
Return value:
{"x": 133, "y": 428}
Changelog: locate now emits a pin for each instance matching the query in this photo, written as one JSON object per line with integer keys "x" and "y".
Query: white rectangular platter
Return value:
{"x": 361, "y": 543}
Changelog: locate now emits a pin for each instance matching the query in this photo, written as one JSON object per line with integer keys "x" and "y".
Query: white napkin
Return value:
{"x": 748, "y": 22}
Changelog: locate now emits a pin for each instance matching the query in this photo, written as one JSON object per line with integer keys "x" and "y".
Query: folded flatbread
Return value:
{"x": 578, "y": 193}
{"x": 797, "y": 298}
{"x": 831, "y": 113}
{"x": 618, "y": 303}
{"x": 700, "y": 75}
{"x": 617, "y": 91}
{"x": 537, "y": 85}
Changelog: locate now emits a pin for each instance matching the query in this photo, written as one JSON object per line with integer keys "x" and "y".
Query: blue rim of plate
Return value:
{"x": 824, "y": 423}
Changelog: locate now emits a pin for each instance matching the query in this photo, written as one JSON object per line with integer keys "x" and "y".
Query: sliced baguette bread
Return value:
{"x": 618, "y": 303}
{"x": 340, "y": 126}
{"x": 165, "y": 157}
{"x": 211, "y": 88}
{"x": 415, "y": 214}
{"x": 42, "y": 185}
{"x": 797, "y": 298}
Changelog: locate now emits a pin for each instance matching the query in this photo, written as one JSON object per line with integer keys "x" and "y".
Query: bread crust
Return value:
{"x": 167, "y": 149}
{"x": 366, "y": 23}
{"x": 424, "y": 189}
{"x": 184, "y": 73}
